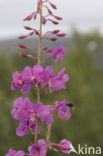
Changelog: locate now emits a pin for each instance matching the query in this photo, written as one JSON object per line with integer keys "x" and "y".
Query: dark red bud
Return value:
{"x": 49, "y": 11}
{"x": 54, "y": 22}
{"x": 52, "y": 5}
{"x": 52, "y": 39}
{"x": 28, "y": 28}
{"x": 38, "y": 6}
{"x": 36, "y": 32}
{"x": 44, "y": 20}
{"x": 25, "y": 56}
{"x": 28, "y": 18}
{"x": 24, "y": 47}
{"x": 55, "y": 31}
{"x": 57, "y": 17}
{"x": 31, "y": 34}
{"x": 60, "y": 35}
{"x": 35, "y": 15}
{"x": 22, "y": 37}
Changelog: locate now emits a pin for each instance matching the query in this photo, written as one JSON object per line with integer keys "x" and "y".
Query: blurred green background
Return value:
{"x": 84, "y": 64}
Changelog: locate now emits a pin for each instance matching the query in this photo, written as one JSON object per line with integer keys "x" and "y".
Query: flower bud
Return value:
{"x": 24, "y": 47}
{"x": 54, "y": 22}
{"x": 35, "y": 15}
{"x": 44, "y": 20}
{"x": 52, "y": 39}
{"x": 28, "y": 18}
{"x": 49, "y": 11}
{"x": 57, "y": 17}
{"x": 28, "y": 28}
{"x": 23, "y": 37}
{"x": 55, "y": 31}
{"x": 60, "y": 35}
{"x": 52, "y": 5}
{"x": 25, "y": 56}
{"x": 31, "y": 34}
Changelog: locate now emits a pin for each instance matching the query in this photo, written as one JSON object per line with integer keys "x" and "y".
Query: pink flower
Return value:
{"x": 25, "y": 110}
{"x": 63, "y": 110}
{"x": 17, "y": 82}
{"x": 64, "y": 146}
{"x": 58, "y": 53}
{"x": 26, "y": 127}
{"x": 40, "y": 148}
{"x": 15, "y": 153}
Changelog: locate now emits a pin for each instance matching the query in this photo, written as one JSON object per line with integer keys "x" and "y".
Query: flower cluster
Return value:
{"x": 41, "y": 148}
{"x": 28, "y": 114}
{"x": 37, "y": 77}
{"x": 32, "y": 77}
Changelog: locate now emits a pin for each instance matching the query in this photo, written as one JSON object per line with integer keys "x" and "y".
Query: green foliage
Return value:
{"x": 84, "y": 89}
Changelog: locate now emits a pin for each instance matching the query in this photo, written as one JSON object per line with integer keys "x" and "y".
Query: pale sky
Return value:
{"x": 84, "y": 14}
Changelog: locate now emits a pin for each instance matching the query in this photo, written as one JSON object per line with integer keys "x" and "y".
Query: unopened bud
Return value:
{"x": 55, "y": 31}
{"x": 26, "y": 56}
{"x": 35, "y": 15}
{"x": 53, "y": 39}
{"x": 60, "y": 35}
{"x": 57, "y": 17}
{"x": 54, "y": 22}
{"x": 22, "y": 37}
{"x": 44, "y": 20}
{"x": 28, "y": 18}
{"x": 28, "y": 28}
{"x": 52, "y": 5}
{"x": 24, "y": 47}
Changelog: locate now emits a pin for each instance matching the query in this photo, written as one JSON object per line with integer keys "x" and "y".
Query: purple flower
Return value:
{"x": 58, "y": 53}
{"x": 47, "y": 74}
{"x": 37, "y": 71}
{"x": 57, "y": 81}
{"x": 26, "y": 77}
{"x": 44, "y": 112}
{"x": 64, "y": 146}
{"x": 63, "y": 110}
{"x": 40, "y": 148}
{"x": 23, "y": 109}
{"x": 54, "y": 81}
{"x": 30, "y": 77}
{"x": 26, "y": 74}
{"x": 26, "y": 127}
{"x": 17, "y": 82}
{"x": 27, "y": 111}
{"x": 15, "y": 153}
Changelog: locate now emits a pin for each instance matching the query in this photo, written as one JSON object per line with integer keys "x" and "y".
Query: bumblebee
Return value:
{"x": 71, "y": 105}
